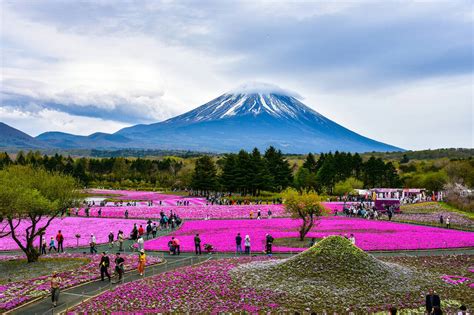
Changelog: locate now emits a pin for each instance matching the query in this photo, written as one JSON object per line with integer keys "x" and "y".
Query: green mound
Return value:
{"x": 334, "y": 275}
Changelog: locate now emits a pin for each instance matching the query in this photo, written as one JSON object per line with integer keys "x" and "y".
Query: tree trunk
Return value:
{"x": 31, "y": 253}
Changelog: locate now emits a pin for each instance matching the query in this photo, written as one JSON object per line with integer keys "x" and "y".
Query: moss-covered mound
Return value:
{"x": 335, "y": 275}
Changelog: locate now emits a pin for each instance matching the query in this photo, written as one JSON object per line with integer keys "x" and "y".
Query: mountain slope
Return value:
{"x": 96, "y": 140}
{"x": 14, "y": 138}
{"x": 247, "y": 119}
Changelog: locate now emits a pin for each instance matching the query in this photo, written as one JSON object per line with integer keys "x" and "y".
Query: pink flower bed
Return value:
{"x": 168, "y": 200}
{"x": 370, "y": 235}
{"x": 70, "y": 226}
{"x": 189, "y": 212}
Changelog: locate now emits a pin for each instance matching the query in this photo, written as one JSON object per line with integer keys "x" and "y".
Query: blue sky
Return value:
{"x": 397, "y": 71}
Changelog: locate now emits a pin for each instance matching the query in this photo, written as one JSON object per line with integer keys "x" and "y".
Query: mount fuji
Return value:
{"x": 256, "y": 115}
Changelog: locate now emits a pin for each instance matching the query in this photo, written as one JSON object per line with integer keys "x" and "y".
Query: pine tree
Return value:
{"x": 205, "y": 175}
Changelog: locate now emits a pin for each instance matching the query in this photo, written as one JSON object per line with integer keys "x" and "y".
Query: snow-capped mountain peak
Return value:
{"x": 253, "y": 99}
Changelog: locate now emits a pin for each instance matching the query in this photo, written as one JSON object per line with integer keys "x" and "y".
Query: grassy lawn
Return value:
{"x": 18, "y": 270}
{"x": 293, "y": 242}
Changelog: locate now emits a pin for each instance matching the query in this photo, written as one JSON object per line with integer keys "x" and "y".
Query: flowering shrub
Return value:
{"x": 16, "y": 293}
{"x": 205, "y": 288}
{"x": 369, "y": 234}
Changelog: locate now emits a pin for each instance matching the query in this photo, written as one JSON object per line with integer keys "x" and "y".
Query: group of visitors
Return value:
{"x": 174, "y": 246}
{"x": 58, "y": 240}
{"x": 259, "y": 214}
{"x": 361, "y": 210}
{"x": 442, "y": 221}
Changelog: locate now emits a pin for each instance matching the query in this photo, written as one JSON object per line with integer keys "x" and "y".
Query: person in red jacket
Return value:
{"x": 60, "y": 240}
{"x": 141, "y": 231}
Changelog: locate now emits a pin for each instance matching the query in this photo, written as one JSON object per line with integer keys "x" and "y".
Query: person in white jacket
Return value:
{"x": 247, "y": 244}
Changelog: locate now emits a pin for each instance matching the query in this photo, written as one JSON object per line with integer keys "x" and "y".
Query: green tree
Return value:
{"x": 279, "y": 169}
{"x": 29, "y": 200}
{"x": 347, "y": 186}
{"x": 306, "y": 206}
{"x": 205, "y": 175}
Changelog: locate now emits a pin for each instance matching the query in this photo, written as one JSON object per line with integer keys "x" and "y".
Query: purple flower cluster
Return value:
{"x": 369, "y": 234}
{"x": 205, "y": 288}
{"x": 16, "y": 293}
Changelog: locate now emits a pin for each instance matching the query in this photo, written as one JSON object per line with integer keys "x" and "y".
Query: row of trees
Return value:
{"x": 251, "y": 173}
{"x": 245, "y": 173}
{"x": 101, "y": 171}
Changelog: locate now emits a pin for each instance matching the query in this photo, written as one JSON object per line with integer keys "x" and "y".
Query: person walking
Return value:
{"x": 92, "y": 243}
{"x": 140, "y": 243}
{"x": 432, "y": 300}
{"x": 60, "y": 240}
{"x": 55, "y": 283}
{"x": 52, "y": 245}
{"x": 141, "y": 262}
{"x": 119, "y": 266}
{"x": 259, "y": 214}
{"x": 238, "y": 243}
{"x": 104, "y": 266}
{"x": 43, "y": 247}
{"x": 149, "y": 229}
{"x": 141, "y": 231}
{"x": 448, "y": 223}
{"x": 268, "y": 244}
{"x": 121, "y": 240}
{"x": 269, "y": 213}
{"x": 111, "y": 239}
{"x": 247, "y": 244}
{"x": 197, "y": 244}
{"x": 154, "y": 230}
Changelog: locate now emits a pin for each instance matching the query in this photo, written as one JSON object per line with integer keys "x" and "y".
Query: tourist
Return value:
{"x": 119, "y": 266}
{"x": 448, "y": 222}
{"x": 104, "y": 266}
{"x": 154, "y": 230}
{"x": 126, "y": 214}
{"x": 60, "y": 240}
{"x": 52, "y": 244}
{"x": 441, "y": 220}
{"x": 92, "y": 244}
{"x": 247, "y": 244}
{"x": 120, "y": 240}
{"x": 141, "y": 231}
{"x": 141, "y": 262}
{"x": 352, "y": 239}
{"x": 463, "y": 310}
{"x": 148, "y": 230}
{"x": 268, "y": 244}
{"x": 171, "y": 246}
{"x": 269, "y": 213}
{"x": 197, "y": 244}
{"x": 55, "y": 283}
{"x": 134, "y": 234}
{"x": 390, "y": 214}
{"x": 140, "y": 243}
{"x": 312, "y": 242}
{"x": 432, "y": 300}
{"x": 238, "y": 242}
{"x": 251, "y": 214}
{"x": 99, "y": 213}
{"x": 43, "y": 247}
{"x": 176, "y": 246}
{"x": 111, "y": 239}
{"x": 259, "y": 214}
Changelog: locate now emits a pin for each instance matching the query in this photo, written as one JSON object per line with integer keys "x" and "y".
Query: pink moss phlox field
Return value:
{"x": 18, "y": 292}
{"x": 70, "y": 226}
{"x": 369, "y": 234}
{"x": 168, "y": 200}
{"x": 205, "y": 288}
{"x": 189, "y": 212}
{"x": 455, "y": 280}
